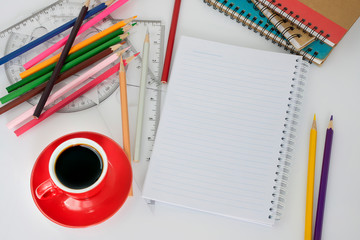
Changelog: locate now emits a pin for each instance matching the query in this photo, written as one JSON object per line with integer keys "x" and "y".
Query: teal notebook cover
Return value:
{"x": 259, "y": 23}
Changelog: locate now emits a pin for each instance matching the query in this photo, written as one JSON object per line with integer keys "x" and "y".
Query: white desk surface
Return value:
{"x": 331, "y": 89}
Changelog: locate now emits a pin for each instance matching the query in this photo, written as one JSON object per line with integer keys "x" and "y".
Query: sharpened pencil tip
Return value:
{"x": 122, "y": 51}
{"x": 147, "y": 40}
{"x": 313, "y": 126}
{"x": 87, "y": 3}
{"x": 330, "y": 126}
{"x": 108, "y": 3}
{"x": 128, "y": 20}
{"x": 122, "y": 67}
{"x": 124, "y": 36}
{"x": 135, "y": 55}
{"x": 115, "y": 47}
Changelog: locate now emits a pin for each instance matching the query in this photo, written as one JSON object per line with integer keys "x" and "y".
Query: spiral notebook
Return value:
{"x": 227, "y": 130}
{"x": 295, "y": 35}
{"x": 327, "y": 20}
{"x": 245, "y": 12}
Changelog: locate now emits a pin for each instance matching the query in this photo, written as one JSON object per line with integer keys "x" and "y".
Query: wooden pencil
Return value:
{"x": 124, "y": 113}
{"x": 141, "y": 102}
{"x": 310, "y": 182}
{"x": 62, "y": 77}
{"x": 83, "y": 28}
{"x": 27, "y": 126}
{"x": 66, "y": 67}
{"x": 76, "y": 47}
{"x": 323, "y": 181}
{"x": 65, "y": 52}
{"x": 71, "y": 60}
{"x": 71, "y": 85}
{"x": 49, "y": 35}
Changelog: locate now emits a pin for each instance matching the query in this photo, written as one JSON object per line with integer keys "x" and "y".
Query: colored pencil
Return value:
{"x": 83, "y": 28}
{"x": 60, "y": 63}
{"x": 170, "y": 43}
{"x": 323, "y": 181}
{"x": 63, "y": 56}
{"x": 73, "y": 84}
{"x": 76, "y": 47}
{"x": 63, "y": 76}
{"x": 66, "y": 101}
{"x": 33, "y": 122}
{"x": 310, "y": 182}
{"x": 49, "y": 35}
{"x": 105, "y": 42}
{"x": 124, "y": 112}
{"x": 66, "y": 67}
{"x": 141, "y": 102}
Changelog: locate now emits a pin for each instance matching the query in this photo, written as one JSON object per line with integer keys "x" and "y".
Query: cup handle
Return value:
{"x": 46, "y": 190}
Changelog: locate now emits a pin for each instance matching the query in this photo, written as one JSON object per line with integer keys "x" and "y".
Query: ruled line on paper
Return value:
{"x": 230, "y": 69}
{"x": 203, "y": 199}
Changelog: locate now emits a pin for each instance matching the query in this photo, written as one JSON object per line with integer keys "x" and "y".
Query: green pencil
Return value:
{"x": 66, "y": 67}
{"x": 69, "y": 58}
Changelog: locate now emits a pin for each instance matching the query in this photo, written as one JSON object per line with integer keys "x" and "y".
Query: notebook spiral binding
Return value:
{"x": 303, "y": 24}
{"x": 263, "y": 8}
{"x": 241, "y": 16}
{"x": 288, "y": 138}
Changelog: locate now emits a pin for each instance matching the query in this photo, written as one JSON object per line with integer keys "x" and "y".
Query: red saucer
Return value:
{"x": 70, "y": 212}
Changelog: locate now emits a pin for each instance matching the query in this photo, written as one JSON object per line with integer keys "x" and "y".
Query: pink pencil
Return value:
{"x": 71, "y": 98}
{"x": 83, "y": 28}
{"x": 73, "y": 84}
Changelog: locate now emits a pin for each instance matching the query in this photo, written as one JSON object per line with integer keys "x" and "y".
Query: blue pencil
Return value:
{"x": 49, "y": 35}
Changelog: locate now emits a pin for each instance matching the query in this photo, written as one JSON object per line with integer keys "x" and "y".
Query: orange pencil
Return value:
{"x": 124, "y": 113}
{"x": 76, "y": 47}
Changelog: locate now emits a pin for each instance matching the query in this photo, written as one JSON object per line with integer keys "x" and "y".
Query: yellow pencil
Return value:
{"x": 310, "y": 182}
{"x": 124, "y": 113}
{"x": 76, "y": 47}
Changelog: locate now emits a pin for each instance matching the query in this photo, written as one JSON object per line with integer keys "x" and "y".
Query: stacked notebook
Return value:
{"x": 304, "y": 27}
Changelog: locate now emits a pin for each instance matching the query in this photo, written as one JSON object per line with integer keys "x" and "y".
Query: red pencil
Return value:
{"x": 27, "y": 126}
{"x": 170, "y": 44}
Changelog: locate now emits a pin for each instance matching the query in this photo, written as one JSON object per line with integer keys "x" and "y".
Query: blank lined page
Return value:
{"x": 220, "y": 131}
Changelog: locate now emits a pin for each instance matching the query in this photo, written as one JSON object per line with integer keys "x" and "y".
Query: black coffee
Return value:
{"x": 78, "y": 167}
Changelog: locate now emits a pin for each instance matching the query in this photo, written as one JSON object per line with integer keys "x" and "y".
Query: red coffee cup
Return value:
{"x": 77, "y": 168}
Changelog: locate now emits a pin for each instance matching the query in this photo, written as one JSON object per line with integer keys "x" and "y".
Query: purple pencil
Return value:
{"x": 323, "y": 181}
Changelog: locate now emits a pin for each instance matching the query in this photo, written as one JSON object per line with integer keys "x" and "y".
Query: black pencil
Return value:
{"x": 60, "y": 63}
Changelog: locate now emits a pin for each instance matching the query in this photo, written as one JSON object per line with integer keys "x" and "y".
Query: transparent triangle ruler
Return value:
{"x": 105, "y": 96}
{"x": 37, "y": 25}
